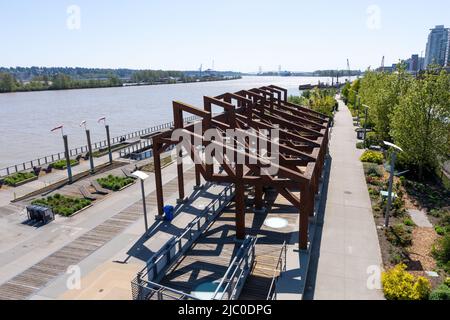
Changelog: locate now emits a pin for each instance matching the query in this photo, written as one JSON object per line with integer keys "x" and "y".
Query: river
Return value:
{"x": 27, "y": 118}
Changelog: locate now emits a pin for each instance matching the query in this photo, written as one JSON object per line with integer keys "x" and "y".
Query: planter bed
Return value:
{"x": 115, "y": 183}
{"x": 63, "y": 205}
{"x": 20, "y": 178}
{"x": 104, "y": 151}
{"x": 61, "y": 164}
{"x": 167, "y": 161}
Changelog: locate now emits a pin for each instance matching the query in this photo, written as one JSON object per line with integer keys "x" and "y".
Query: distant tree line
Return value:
{"x": 8, "y": 83}
{"x": 55, "y": 78}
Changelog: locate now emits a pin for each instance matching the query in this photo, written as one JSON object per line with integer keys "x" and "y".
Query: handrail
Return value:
{"x": 281, "y": 267}
{"x": 240, "y": 264}
{"x": 28, "y": 165}
{"x": 158, "y": 289}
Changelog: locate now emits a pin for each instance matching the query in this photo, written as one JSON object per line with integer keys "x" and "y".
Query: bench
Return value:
{"x": 98, "y": 188}
{"x": 128, "y": 173}
{"x": 86, "y": 194}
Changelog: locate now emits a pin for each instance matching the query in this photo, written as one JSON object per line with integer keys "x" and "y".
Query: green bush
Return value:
{"x": 399, "y": 235}
{"x": 372, "y": 157}
{"x": 62, "y": 164}
{"x": 408, "y": 222}
{"x": 18, "y": 177}
{"x": 114, "y": 183}
{"x": 441, "y": 252}
{"x": 360, "y": 145}
{"x": 398, "y": 284}
{"x": 62, "y": 205}
{"x": 372, "y": 139}
{"x": 372, "y": 170}
{"x": 441, "y": 293}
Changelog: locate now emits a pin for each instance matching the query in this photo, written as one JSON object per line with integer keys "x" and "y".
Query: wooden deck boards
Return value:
{"x": 35, "y": 278}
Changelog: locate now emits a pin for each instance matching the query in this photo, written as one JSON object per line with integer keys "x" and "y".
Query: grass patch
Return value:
{"x": 114, "y": 183}
{"x": 62, "y": 164}
{"x": 151, "y": 167}
{"x": 62, "y": 205}
{"x": 16, "y": 178}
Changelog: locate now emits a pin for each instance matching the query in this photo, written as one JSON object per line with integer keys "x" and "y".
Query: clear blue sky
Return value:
{"x": 238, "y": 35}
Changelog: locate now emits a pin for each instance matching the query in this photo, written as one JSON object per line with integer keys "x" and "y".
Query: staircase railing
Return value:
{"x": 279, "y": 269}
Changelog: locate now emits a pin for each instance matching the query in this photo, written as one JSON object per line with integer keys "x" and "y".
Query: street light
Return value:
{"x": 88, "y": 137}
{"x": 66, "y": 151}
{"x": 142, "y": 176}
{"x": 103, "y": 119}
{"x": 391, "y": 179}
{"x": 366, "y": 108}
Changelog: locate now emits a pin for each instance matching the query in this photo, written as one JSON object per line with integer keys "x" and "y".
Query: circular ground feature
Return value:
{"x": 205, "y": 291}
{"x": 276, "y": 223}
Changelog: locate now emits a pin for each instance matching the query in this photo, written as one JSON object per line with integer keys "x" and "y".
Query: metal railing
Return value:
{"x": 279, "y": 269}
{"x": 176, "y": 247}
{"x": 233, "y": 281}
{"x": 148, "y": 290}
{"x": 28, "y": 165}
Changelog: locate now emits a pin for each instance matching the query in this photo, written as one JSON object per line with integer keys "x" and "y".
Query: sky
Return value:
{"x": 238, "y": 35}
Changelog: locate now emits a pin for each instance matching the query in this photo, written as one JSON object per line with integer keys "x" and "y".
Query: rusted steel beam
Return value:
{"x": 158, "y": 178}
{"x": 240, "y": 211}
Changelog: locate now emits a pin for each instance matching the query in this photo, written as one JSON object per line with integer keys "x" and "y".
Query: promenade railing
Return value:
{"x": 46, "y": 160}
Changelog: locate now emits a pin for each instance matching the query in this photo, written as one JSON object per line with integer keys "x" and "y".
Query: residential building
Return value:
{"x": 438, "y": 46}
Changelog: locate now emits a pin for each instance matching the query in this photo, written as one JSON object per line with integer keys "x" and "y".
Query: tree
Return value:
{"x": 421, "y": 122}
{"x": 7, "y": 83}
{"x": 381, "y": 92}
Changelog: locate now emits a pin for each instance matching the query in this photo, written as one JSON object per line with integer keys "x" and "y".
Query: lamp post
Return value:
{"x": 66, "y": 151}
{"x": 395, "y": 148}
{"x": 142, "y": 176}
{"x": 88, "y": 137}
{"x": 366, "y": 108}
{"x": 108, "y": 139}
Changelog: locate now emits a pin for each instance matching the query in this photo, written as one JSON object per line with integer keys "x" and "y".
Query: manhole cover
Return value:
{"x": 276, "y": 223}
{"x": 347, "y": 192}
{"x": 206, "y": 290}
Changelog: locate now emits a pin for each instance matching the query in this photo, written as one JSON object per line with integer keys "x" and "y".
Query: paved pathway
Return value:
{"x": 347, "y": 251}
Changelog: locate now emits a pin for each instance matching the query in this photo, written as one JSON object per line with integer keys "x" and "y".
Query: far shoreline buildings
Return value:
{"x": 437, "y": 52}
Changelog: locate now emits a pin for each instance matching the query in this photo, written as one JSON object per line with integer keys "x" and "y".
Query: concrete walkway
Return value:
{"x": 345, "y": 259}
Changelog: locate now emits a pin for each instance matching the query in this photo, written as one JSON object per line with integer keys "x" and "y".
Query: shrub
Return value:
{"x": 372, "y": 157}
{"x": 441, "y": 293}
{"x": 440, "y": 230}
{"x": 360, "y": 145}
{"x": 441, "y": 252}
{"x": 62, "y": 205}
{"x": 408, "y": 222}
{"x": 62, "y": 164}
{"x": 114, "y": 183}
{"x": 372, "y": 170}
{"x": 372, "y": 139}
{"x": 399, "y": 235}
{"x": 398, "y": 284}
{"x": 18, "y": 177}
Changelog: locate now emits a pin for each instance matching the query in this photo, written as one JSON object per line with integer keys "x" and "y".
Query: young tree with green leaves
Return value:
{"x": 421, "y": 122}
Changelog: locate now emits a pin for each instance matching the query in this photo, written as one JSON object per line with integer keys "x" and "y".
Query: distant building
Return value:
{"x": 438, "y": 47}
{"x": 414, "y": 64}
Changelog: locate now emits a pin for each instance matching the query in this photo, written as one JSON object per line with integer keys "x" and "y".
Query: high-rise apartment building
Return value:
{"x": 438, "y": 46}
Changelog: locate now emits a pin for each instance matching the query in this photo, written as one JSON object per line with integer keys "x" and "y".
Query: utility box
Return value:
{"x": 40, "y": 213}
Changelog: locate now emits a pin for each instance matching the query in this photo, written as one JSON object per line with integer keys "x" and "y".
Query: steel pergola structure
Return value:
{"x": 295, "y": 155}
